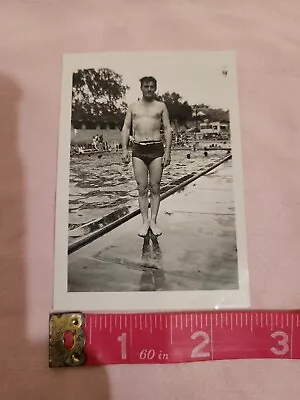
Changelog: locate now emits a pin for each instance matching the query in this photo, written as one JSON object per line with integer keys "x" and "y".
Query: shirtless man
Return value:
{"x": 149, "y": 156}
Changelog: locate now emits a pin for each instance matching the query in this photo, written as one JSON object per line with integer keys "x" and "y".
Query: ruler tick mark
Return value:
{"x": 221, "y": 320}
{"x": 141, "y": 321}
{"x": 287, "y": 320}
{"x": 236, "y": 320}
{"x": 281, "y": 321}
{"x": 272, "y": 322}
{"x": 256, "y": 319}
{"x": 261, "y": 321}
{"x": 251, "y": 322}
{"x": 246, "y": 319}
{"x": 276, "y": 319}
{"x": 186, "y": 320}
{"x": 176, "y": 321}
{"x": 91, "y": 331}
{"x": 231, "y": 322}
{"x": 297, "y": 320}
{"x": 211, "y": 338}
{"x": 166, "y": 321}
{"x": 151, "y": 323}
{"x": 181, "y": 321}
{"x": 226, "y": 319}
{"x": 292, "y": 332}
{"x": 95, "y": 321}
{"x": 116, "y": 321}
{"x": 100, "y": 323}
{"x": 120, "y": 322}
{"x": 201, "y": 320}
{"x": 206, "y": 323}
{"x": 191, "y": 319}
{"x": 145, "y": 321}
{"x": 125, "y": 321}
{"x": 155, "y": 321}
{"x": 130, "y": 330}
{"x": 135, "y": 321}
{"x": 196, "y": 319}
{"x": 160, "y": 322}
{"x": 267, "y": 319}
{"x": 217, "y": 319}
{"x": 171, "y": 329}
{"x": 110, "y": 324}
{"x": 241, "y": 318}
{"x": 105, "y": 322}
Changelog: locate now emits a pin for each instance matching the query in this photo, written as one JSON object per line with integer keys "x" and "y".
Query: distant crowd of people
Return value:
{"x": 98, "y": 145}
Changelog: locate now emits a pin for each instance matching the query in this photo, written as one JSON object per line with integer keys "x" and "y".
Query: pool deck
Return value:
{"x": 197, "y": 250}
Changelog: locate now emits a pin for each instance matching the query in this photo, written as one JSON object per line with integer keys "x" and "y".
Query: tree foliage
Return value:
{"x": 179, "y": 111}
{"x": 218, "y": 114}
{"x": 204, "y": 112}
{"x": 97, "y": 93}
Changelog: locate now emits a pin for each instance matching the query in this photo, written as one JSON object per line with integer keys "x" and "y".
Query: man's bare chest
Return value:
{"x": 154, "y": 112}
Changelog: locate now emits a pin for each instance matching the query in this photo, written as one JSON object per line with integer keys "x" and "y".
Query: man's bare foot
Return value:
{"x": 144, "y": 229}
{"x": 155, "y": 229}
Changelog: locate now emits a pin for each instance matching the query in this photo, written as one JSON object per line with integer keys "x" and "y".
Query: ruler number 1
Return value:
{"x": 122, "y": 340}
{"x": 196, "y": 353}
{"x": 283, "y": 343}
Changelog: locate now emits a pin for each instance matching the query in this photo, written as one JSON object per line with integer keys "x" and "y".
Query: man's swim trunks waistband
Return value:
{"x": 147, "y": 142}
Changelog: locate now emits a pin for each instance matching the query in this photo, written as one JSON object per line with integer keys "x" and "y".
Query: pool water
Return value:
{"x": 99, "y": 186}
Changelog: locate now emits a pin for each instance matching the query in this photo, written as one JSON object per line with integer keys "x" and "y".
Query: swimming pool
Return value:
{"x": 99, "y": 186}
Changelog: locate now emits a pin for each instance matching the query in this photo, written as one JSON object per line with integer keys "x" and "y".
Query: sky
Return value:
{"x": 197, "y": 77}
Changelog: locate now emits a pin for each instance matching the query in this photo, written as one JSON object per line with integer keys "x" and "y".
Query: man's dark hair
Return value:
{"x": 148, "y": 79}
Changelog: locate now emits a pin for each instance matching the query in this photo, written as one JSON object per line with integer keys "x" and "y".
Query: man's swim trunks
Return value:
{"x": 148, "y": 151}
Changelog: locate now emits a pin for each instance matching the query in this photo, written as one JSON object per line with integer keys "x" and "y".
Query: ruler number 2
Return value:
{"x": 196, "y": 353}
{"x": 283, "y": 342}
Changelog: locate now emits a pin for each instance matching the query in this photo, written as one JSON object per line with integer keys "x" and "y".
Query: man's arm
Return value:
{"x": 126, "y": 129}
{"x": 167, "y": 129}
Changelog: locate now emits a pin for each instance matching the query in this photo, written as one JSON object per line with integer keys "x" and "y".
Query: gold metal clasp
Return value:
{"x": 59, "y": 354}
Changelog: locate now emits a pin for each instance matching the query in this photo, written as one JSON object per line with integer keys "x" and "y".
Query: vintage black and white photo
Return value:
{"x": 149, "y": 206}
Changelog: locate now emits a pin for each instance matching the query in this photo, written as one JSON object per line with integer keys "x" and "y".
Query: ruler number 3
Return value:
{"x": 283, "y": 342}
{"x": 196, "y": 353}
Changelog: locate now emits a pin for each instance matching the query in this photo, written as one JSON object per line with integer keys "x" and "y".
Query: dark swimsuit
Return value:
{"x": 148, "y": 151}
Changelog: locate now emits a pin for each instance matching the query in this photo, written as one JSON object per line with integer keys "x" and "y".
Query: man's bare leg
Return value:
{"x": 155, "y": 172}
{"x": 141, "y": 177}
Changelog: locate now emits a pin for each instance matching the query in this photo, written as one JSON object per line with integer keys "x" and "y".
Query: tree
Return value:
{"x": 202, "y": 112}
{"x": 179, "y": 111}
{"x": 218, "y": 114}
{"x": 199, "y": 111}
{"x": 97, "y": 93}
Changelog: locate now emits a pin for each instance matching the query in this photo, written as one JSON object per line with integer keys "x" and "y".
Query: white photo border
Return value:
{"x": 165, "y": 301}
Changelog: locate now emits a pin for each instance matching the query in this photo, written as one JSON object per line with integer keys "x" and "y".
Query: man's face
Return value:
{"x": 148, "y": 89}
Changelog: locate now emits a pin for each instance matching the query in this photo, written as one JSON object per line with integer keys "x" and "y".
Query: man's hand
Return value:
{"x": 125, "y": 157}
{"x": 166, "y": 159}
